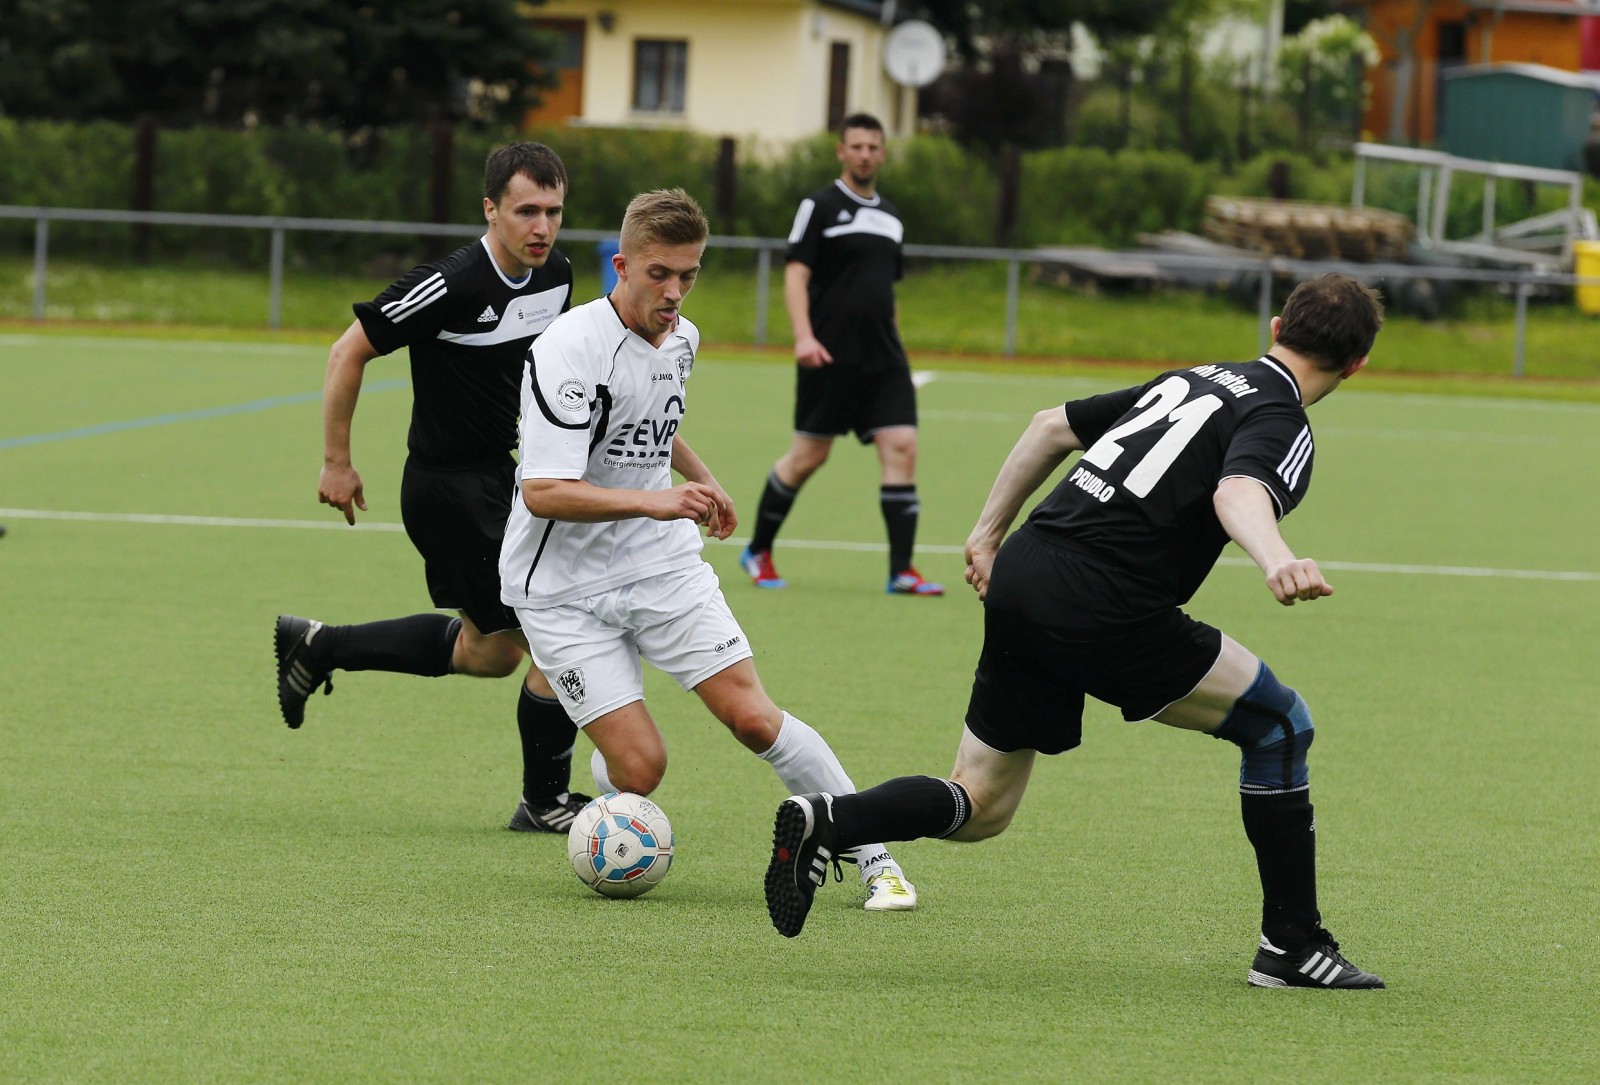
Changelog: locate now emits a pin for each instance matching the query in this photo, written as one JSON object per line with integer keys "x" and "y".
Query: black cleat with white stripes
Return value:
{"x": 548, "y": 815}
{"x": 804, "y": 842}
{"x": 1318, "y": 965}
{"x": 298, "y": 675}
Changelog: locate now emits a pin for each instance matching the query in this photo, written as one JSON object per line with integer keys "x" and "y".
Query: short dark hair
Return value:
{"x": 1332, "y": 319}
{"x": 541, "y": 165}
{"x": 667, "y": 216}
{"x": 859, "y": 120}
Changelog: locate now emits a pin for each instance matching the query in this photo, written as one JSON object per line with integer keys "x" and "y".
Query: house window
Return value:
{"x": 659, "y": 72}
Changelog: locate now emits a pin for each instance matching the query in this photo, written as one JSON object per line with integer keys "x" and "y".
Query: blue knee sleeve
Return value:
{"x": 1272, "y": 725}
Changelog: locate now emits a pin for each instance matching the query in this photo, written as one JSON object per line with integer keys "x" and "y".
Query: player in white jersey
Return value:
{"x": 601, "y": 558}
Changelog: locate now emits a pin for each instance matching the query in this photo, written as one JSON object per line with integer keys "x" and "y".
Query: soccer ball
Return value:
{"x": 620, "y": 845}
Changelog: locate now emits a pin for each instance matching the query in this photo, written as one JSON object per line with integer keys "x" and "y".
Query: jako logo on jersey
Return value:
{"x": 1092, "y": 484}
{"x": 649, "y": 439}
{"x": 725, "y": 645}
{"x": 571, "y": 683}
{"x": 487, "y": 316}
{"x": 660, "y": 377}
{"x": 572, "y": 395}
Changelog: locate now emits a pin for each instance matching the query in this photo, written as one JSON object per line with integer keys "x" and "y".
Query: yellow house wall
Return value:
{"x": 757, "y": 68}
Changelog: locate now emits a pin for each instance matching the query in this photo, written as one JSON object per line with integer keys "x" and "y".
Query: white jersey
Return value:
{"x": 599, "y": 403}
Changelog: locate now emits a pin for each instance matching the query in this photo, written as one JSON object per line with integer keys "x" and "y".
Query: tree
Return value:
{"x": 348, "y": 64}
{"x": 1323, "y": 68}
{"x": 1013, "y": 82}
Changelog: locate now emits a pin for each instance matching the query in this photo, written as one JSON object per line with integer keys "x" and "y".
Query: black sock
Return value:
{"x": 900, "y": 509}
{"x": 905, "y": 808}
{"x": 421, "y": 644}
{"x": 547, "y": 737}
{"x": 776, "y": 501}
{"x": 1282, "y": 829}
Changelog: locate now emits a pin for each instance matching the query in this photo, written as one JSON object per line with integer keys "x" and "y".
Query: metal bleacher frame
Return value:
{"x": 1542, "y": 241}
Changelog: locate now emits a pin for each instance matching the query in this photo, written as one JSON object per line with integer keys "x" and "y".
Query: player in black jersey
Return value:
{"x": 468, "y": 321}
{"x": 844, "y": 257}
{"x": 1085, "y": 600}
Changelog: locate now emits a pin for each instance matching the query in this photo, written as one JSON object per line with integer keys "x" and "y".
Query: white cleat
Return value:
{"x": 890, "y": 892}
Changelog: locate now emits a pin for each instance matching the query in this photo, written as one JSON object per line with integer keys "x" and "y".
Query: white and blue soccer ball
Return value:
{"x": 620, "y": 844}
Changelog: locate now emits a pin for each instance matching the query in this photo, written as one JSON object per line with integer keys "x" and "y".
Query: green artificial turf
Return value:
{"x": 195, "y": 893}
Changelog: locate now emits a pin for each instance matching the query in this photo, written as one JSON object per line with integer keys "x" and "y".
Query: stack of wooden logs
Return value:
{"x": 1308, "y": 231}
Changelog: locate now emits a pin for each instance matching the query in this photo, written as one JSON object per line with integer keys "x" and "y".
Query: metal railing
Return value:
{"x": 1265, "y": 269}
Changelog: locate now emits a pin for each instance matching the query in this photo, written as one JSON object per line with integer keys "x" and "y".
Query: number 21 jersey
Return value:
{"x": 1136, "y": 508}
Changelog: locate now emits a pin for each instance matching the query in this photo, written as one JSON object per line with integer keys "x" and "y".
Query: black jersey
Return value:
{"x": 853, "y": 248}
{"x": 1136, "y": 509}
{"x": 468, "y": 327}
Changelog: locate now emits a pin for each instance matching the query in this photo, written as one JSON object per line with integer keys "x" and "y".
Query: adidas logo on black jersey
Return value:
{"x": 487, "y": 315}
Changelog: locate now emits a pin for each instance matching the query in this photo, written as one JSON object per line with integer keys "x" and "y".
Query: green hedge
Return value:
{"x": 1088, "y": 196}
{"x": 1073, "y": 195}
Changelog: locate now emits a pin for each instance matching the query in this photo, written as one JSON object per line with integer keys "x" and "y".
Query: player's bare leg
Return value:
{"x": 631, "y": 748}
{"x": 994, "y": 781}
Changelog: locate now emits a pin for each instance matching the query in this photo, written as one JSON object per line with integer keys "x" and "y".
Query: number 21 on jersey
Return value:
{"x": 1163, "y": 403}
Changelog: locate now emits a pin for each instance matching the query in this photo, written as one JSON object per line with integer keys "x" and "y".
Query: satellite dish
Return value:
{"x": 913, "y": 54}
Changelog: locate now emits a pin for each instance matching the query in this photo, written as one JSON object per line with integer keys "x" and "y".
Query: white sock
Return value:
{"x": 805, "y": 762}
{"x": 597, "y": 765}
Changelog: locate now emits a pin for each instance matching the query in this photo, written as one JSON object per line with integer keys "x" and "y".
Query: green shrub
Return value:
{"x": 945, "y": 195}
{"x": 1087, "y": 196}
{"x": 45, "y": 164}
{"x": 1323, "y": 181}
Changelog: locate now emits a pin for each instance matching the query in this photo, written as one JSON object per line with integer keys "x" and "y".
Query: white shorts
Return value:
{"x": 590, "y": 650}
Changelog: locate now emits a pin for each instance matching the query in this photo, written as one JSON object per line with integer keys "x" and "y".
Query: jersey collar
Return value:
{"x": 1283, "y": 371}
{"x": 515, "y": 284}
{"x": 877, "y": 197}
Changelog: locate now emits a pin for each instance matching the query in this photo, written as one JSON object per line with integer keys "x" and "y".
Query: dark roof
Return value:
{"x": 871, "y": 8}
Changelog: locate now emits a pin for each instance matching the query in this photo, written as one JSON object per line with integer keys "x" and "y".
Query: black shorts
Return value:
{"x": 456, "y": 520}
{"x": 832, "y": 400}
{"x": 1040, "y": 657}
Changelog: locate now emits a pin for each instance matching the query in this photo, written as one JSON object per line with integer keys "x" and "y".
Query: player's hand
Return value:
{"x": 809, "y": 353}
{"x": 341, "y": 488}
{"x": 723, "y": 520}
{"x": 1297, "y": 579}
{"x": 980, "y": 563}
{"x": 691, "y": 501}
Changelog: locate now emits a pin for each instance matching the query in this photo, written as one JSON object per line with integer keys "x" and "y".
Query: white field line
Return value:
{"x": 1577, "y": 576}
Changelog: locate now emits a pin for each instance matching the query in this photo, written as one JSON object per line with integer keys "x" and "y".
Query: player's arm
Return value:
{"x": 808, "y": 351}
{"x": 1038, "y": 452}
{"x": 1245, "y": 508}
{"x": 579, "y": 502}
{"x": 340, "y": 483}
{"x": 722, "y": 519}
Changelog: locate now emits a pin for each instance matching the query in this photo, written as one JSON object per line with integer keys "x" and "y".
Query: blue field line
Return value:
{"x": 186, "y": 416}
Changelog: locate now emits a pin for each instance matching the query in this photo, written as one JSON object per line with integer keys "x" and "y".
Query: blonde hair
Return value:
{"x": 667, "y": 216}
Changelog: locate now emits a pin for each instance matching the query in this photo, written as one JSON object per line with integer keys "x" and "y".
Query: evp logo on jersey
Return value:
{"x": 648, "y": 442}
